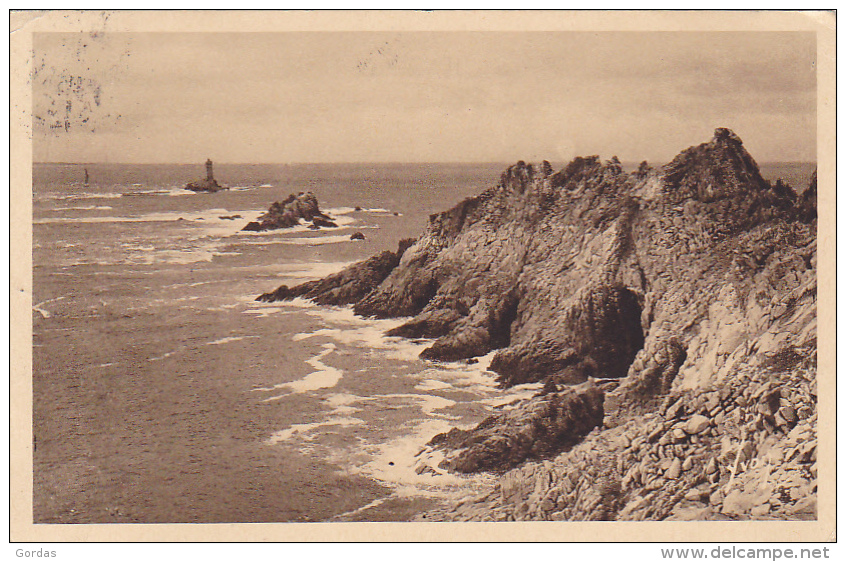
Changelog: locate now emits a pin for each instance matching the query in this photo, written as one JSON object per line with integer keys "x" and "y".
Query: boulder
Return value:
{"x": 540, "y": 427}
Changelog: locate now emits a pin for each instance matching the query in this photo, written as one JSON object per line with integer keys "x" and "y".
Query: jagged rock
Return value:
{"x": 289, "y": 212}
{"x": 540, "y": 427}
{"x": 806, "y": 204}
{"x": 697, "y": 424}
{"x": 675, "y": 469}
{"x": 324, "y": 223}
{"x": 347, "y": 286}
{"x": 204, "y": 185}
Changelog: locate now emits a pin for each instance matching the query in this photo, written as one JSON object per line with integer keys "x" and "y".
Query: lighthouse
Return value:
{"x": 209, "y": 184}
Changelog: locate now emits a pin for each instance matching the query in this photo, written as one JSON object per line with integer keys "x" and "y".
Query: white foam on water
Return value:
{"x": 83, "y": 208}
{"x": 460, "y": 375}
{"x": 314, "y": 240}
{"x": 178, "y": 192}
{"x": 428, "y": 403}
{"x": 148, "y": 255}
{"x": 171, "y": 192}
{"x": 314, "y": 270}
{"x": 304, "y": 430}
{"x": 212, "y": 223}
{"x": 395, "y": 463}
{"x": 199, "y": 284}
{"x": 514, "y": 394}
{"x": 341, "y": 402}
{"x": 229, "y": 339}
{"x": 339, "y": 416}
{"x": 323, "y": 377}
{"x": 165, "y": 356}
{"x": 58, "y": 196}
{"x": 375, "y": 503}
{"x": 430, "y": 384}
{"x": 263, "y": 312}
{"x": 365, "y": 333}
{"x": 371, "y": 336}
{"x": 44, "y": 313}
{"x": 39, "y": 307}
{"x": 297, "y": 302}
{"x": 273, "y": 237}
{"x": 380, "y": 211}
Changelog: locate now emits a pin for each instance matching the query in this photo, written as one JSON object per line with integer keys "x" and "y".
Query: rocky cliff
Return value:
{"x": 649, "y": 304}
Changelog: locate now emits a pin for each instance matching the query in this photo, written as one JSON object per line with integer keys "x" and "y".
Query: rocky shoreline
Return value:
{"x": 670, "y": 314}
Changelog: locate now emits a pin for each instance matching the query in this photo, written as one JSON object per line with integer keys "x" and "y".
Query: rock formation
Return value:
{"x": 672, "y": 290}
{"x": 289, "y": 212}
{"x": 743, "y": 449}
{"x": 347, "y": 286}
{"x": 542, "y": 426}
{"x": 209, "y": 184}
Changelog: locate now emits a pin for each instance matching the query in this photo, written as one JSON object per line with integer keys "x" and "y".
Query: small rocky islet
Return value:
{"x": 669, "y": 313}
{"x": 290, "y": 212}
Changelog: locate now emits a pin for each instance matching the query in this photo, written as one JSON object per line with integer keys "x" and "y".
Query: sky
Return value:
{"x": 418, "y": 96}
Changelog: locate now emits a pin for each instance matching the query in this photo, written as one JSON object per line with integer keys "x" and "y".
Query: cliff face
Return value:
{"x": 573, "y": 274}
{"x": 671, "y": 280}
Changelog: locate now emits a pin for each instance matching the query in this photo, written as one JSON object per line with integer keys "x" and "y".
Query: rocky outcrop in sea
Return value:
{"x": 209, "y": 184}
{"x": 205, "y": 185}
{"x": 288, "y": 213}
{"x": 670, "y": 314}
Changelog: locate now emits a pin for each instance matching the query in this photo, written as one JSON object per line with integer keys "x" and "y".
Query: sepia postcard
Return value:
{"x": 422, "y": 276}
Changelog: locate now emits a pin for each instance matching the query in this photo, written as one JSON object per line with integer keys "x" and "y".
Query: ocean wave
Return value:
{"x": 58, "y": 196}
{"x": 39, "y": 307}
{"x": 348, "y": 210}
{"x": 303, "y": 429}
{"x": 264, "y": 311}
{"x": 313, "y": 270}
{"x": 83, "y": 208}
{"x": 210, "y": 217}
{"x": 315, "y": 240}
{"x": 229, "y": 339}
{"x": 170, "y": 192}
{"x": 365, "y": 332}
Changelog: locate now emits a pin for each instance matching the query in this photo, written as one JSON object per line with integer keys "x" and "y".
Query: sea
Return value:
{"x": 163, "y": 392}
